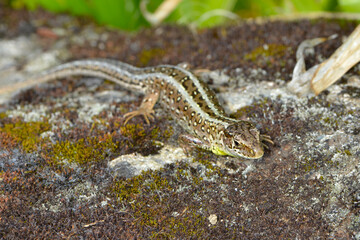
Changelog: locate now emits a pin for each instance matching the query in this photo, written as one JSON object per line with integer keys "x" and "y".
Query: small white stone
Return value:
{"x": 212, "y": 219}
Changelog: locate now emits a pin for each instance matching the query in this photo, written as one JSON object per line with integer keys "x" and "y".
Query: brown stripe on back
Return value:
{"x": 189, "y": 86}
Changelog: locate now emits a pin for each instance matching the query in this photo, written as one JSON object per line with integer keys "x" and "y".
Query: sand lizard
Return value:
{"x": 189, "y": 100}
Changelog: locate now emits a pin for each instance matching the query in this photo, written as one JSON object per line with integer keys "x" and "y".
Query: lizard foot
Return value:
{"x": 148, "y": 114}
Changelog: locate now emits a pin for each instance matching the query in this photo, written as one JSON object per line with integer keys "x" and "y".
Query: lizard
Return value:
{"x": 181, "y": 93}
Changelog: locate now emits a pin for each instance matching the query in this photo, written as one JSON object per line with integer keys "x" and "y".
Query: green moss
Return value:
{"x": 309, "y": 164}
{"x": 83, "y": 151}
{"x": 344, "y": 152}
{"x": 156, "y": 133}
{"x": 3, "y": 115}
{"x": 145, "y": 141}
{"x": 151, "y": 196}
{"x": 133, "y": 133}
{"x": 168, "y": 132}
{"x": 27, "y": 134}
{"x": 347, "y": 152}
{"x": 272, "y": 50}
{"x": 146, "y": 55}
{"x": 250, "y": 110}
{"x": 201, "y": 158}
{"x": 244, "y": 111}
{"x": 333, "y": 122}
{"x": 128, "y": 189}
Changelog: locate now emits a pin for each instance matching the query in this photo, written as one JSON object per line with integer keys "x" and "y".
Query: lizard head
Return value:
{"x": 242, "y": 139}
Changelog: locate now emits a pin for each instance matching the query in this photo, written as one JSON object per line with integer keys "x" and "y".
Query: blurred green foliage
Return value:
{"x": 126, "y": 14}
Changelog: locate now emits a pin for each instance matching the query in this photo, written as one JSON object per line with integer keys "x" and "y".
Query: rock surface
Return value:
{"x": 70, "y": 168}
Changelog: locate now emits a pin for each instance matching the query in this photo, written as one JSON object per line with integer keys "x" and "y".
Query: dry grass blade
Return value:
{"x": 300, "y": 83}
{"x": 321, "y": 76}
{"x": 344, "y": 58}
{"x": 164, "y": 10}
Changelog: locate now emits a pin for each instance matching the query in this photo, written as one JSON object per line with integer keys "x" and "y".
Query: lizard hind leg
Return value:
{"x": 146, "y": 108}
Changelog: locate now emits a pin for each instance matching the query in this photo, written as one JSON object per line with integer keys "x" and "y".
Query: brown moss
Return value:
{"x": 6, "y": 141}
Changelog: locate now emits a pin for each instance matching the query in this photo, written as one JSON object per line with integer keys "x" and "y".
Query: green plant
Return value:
{"x": 127, "y": 15}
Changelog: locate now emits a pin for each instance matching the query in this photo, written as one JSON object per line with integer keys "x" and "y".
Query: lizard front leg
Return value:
{"x": 146, "y": 107}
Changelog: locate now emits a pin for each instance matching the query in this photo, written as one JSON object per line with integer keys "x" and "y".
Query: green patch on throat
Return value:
{"x": 219, "y": 151}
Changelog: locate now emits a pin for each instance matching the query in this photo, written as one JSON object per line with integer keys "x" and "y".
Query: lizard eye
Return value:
{"x": 236, "y": 143}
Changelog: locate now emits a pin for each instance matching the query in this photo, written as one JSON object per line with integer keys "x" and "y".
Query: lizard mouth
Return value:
{"x": 244, "y": 151}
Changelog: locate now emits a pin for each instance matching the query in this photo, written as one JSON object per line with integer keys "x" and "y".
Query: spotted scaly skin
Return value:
{"x": 182, "y": 94}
